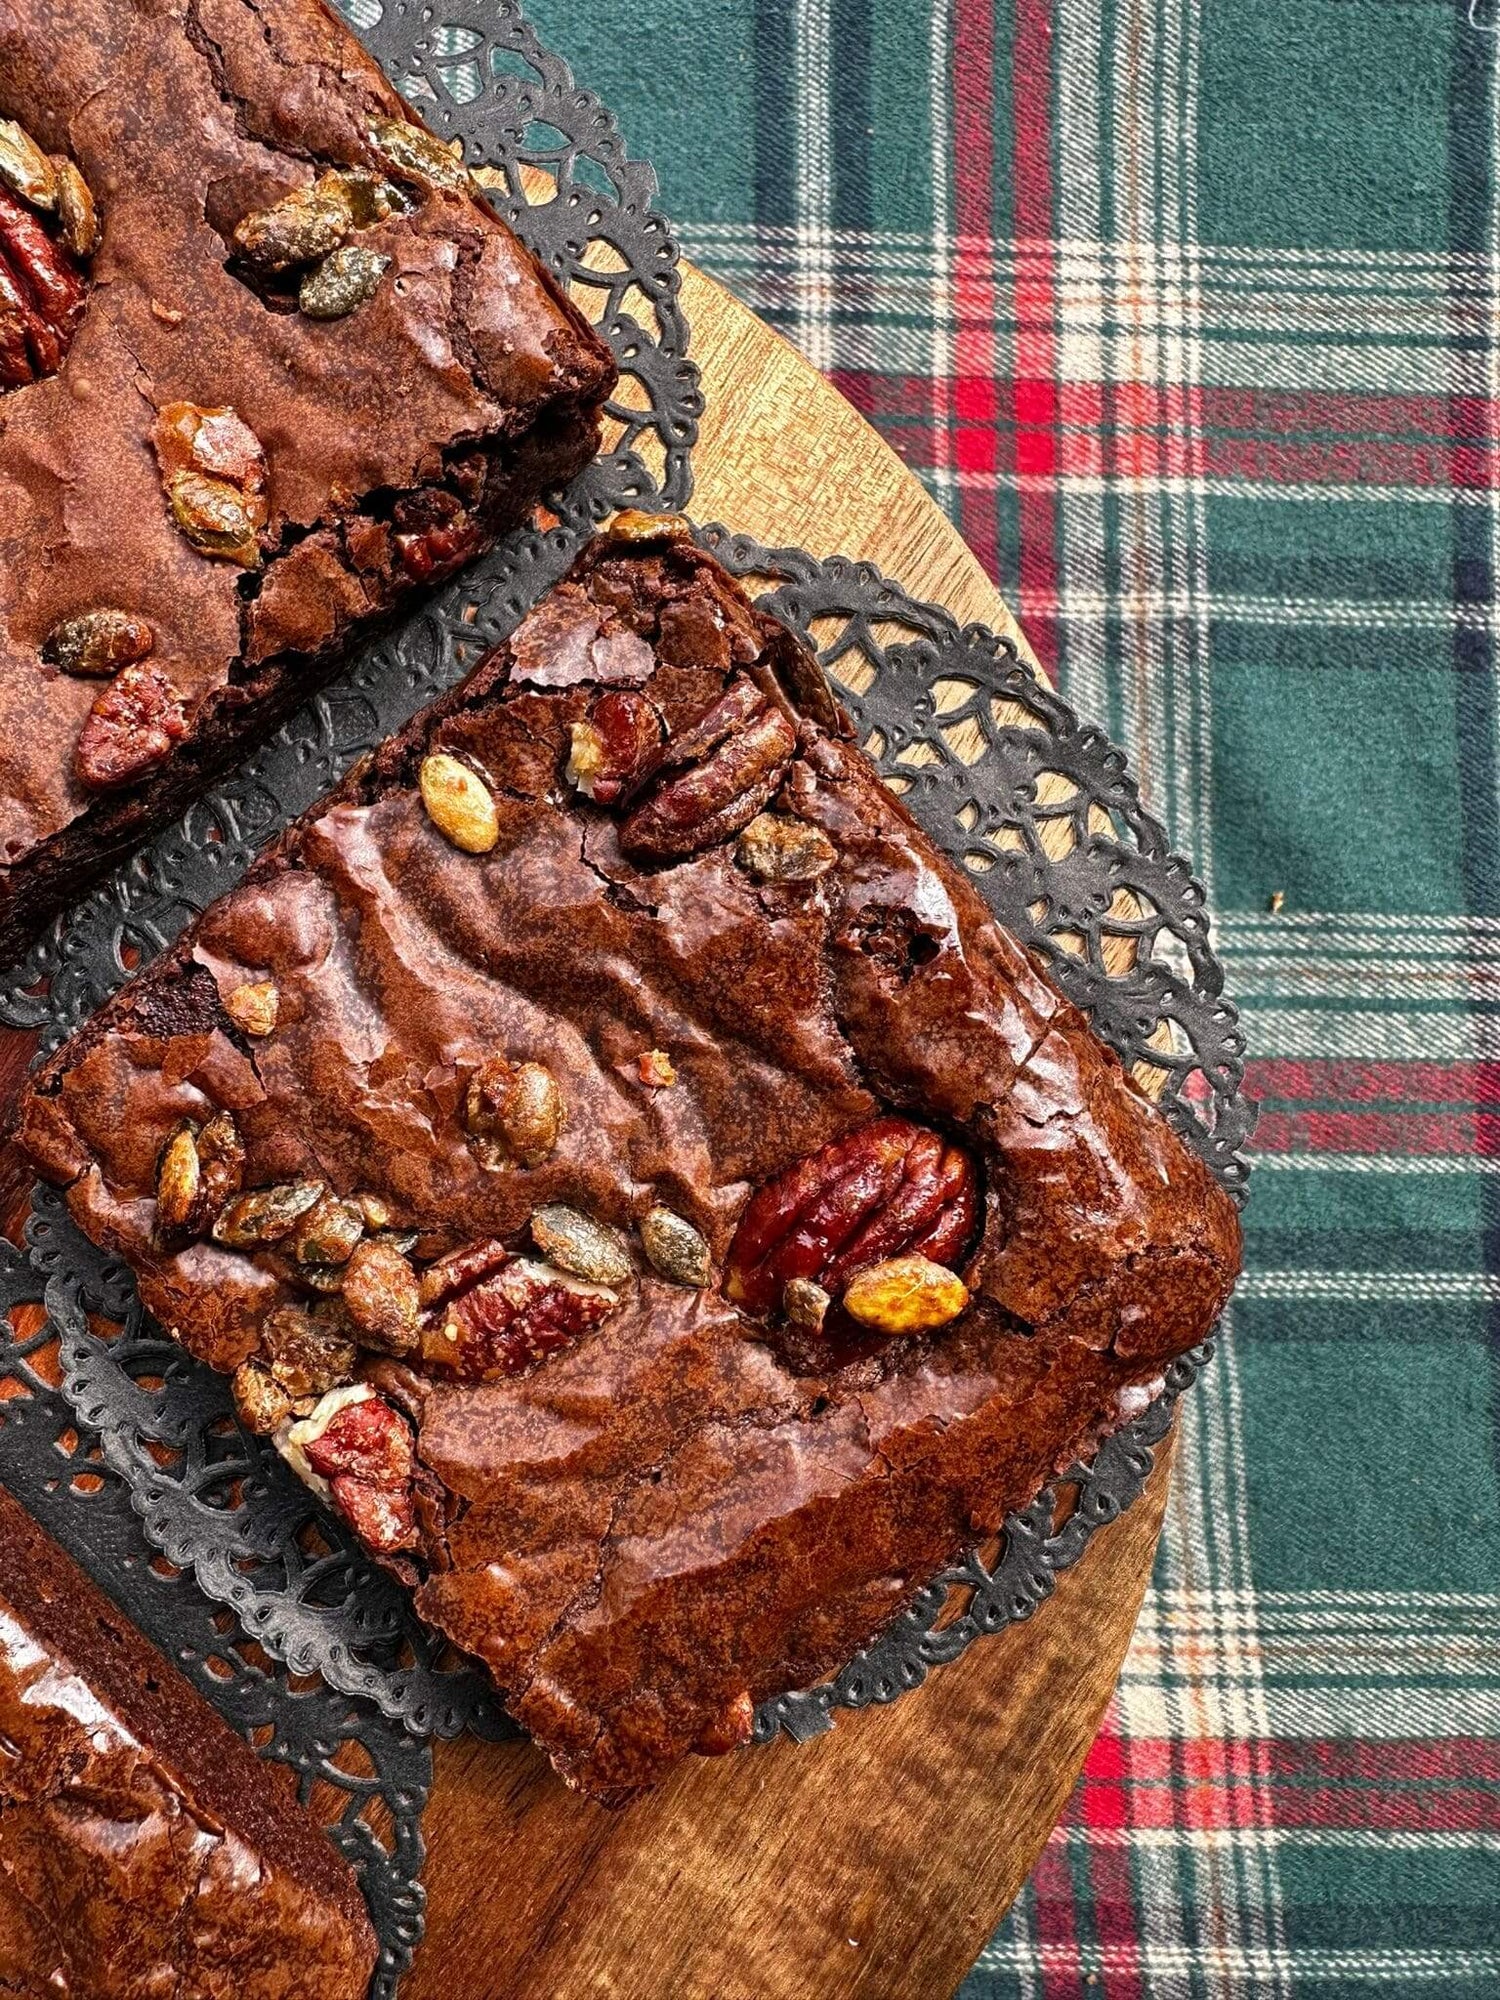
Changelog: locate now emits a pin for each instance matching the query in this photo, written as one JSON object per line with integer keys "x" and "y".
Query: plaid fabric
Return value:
{"x": 1186, "y": 310}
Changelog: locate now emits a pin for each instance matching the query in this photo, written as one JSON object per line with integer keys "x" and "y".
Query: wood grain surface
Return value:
{"x": 875, "y": 1861}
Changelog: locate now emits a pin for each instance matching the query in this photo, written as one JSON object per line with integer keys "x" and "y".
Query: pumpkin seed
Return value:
{"x": 98, "y": 643}
{"x": 677, "y": 1251}
{"x": 342, "y": 282}
{"x": 25, "y": 168}
{"x": 265, "y": 1215}
{"x": 576, "y": 1242}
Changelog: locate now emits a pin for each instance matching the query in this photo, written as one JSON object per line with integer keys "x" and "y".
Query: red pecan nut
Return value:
{"x": 714, "y": 777}
{"x": 130, "y": 729}
{"x": 893, "y": 1188}
{"x": 511, "y": 1320}
{"x": 615, "y": 746}
{"x": 435, "y": 534}
{"x": 366, "y": 1454}
{"x": 44, "y": 293}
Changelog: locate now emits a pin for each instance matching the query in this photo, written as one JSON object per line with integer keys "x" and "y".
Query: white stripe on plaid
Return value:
{"x": 1369, "y": 1287}
{"x": 1420, "y": 1165}
{"x": 1360, "y": 1034}
{"x": 812, "y": 30}
{"x": 1235, "y": 1968}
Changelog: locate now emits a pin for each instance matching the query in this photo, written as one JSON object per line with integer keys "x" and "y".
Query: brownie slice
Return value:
{"x": 634, "y": 1175}
{"x": 144, "y": 1847}
{"x": 267, "y": 366}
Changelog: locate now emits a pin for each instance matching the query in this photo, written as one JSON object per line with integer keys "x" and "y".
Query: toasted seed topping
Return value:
{"x": 75, "y": 210}
{"x": 805, "y": 1304}
{"x": 906, "y": 1295}
{"x": 215, "y": 518}
{"x": 576, "y": 1242}
{"x": 253, "y": 1007}
{"x": 303, "y": 226}
{"x": 308, "y": 1352}
{"x": 381, "y": 1297}
{"x": 328, "y": 1232}
{"x": 777, "y": 848}
{"x": 25, "y": 168}
{"x": 265, "y": 1215}
{"x": 632, "y": 524}
{"x": 263, "y": 1405}
{"x": 677, "y": 1251}
{"x": 342, "y": 282}
{"x": 415, "y": 155}
{"x": 459, "y": 804}
{"x": 375, "y": 1209}
{"x": 177, "y": 1179}
{"x": 97, "y": 644}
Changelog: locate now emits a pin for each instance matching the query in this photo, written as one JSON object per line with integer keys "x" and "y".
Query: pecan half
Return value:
{"x": 614, "y": 746}
{"x": 511, "y": 1320}
{"x": 130, "y": 729}
{"x": 890, "y": 1189}
{"x": 713, "y": 778}
{"x": 41, "y": 295}
{"x": 366, "y": 1453}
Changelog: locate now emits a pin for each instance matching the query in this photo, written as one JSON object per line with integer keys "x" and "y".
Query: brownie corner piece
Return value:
{"x": 633, "y": 1176}
{"x": 268, "y": 366}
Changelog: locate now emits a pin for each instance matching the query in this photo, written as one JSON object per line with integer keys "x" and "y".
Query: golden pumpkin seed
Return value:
{"x": 309, "y": 1353}
{"x": 906, "y": 1295}
{"x": 75, "y": 210}
{"x": 775, "y": 848}
{"x": 300, "y": 228}
{"x": 677, "y": 1251}
{"x": 459, "y": 804}
{"x": 328, "y": 1232}
{"x": 342, "y": 282}
{"x": 25, "y": 168}
{"x": 375, "y": 1209}
{"x": 576, "y": 1242}
{"x": 633, "y": 524}
{"x": 417, "y": 156}
{"x": 98, "y": 643}
{"x": 262, "y": 1405}
{"x": 253, "y": 1007}
{"x": 177, "y": 1179}
{"x": 221, "y": 1160}
{"x": 215, "y": 517}
{"x": 381, "y": 1298}
{"x": 265, "y": 1215}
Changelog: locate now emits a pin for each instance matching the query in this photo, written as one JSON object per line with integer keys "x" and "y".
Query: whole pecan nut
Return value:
{"x": 713, "y": 777}
{"x": 512, "y": 1319}
{"x": 42, "y": 295}
{"x": 614, "y": 745}
{"x": 890, "y": 1189}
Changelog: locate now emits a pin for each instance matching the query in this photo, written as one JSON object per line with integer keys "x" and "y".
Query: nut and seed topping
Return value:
{"x": 177, "y": 1179}
{"x": 905, "y": 1295}
{"x": 215, "y": 472}
{"x": 342, "y": 283}
{"x": 805, "y": 1304}
{"x": 678, "y": 1252}
{"x": 373, "y": 199}
{"x": 366, "y": 1453}
{"x": 253, "y": 1007}
{"x": 42, "y": 295}
{"x": 221, "y": 1161}
{"x": 25, "y": 168}
{"x": 776, "y": 848}
{"x": 415, "y": 155}
{"x": 890, "y": 1189}
{"x": 328, "y": 1232}
{"x": 376, "y": 1210}
{"x": 655, "y": 1070}
{"x": 300, "y": 228}
{"x": 729, "y": 1729}
{"x": 576, "y": 1242}
{"x": 614, "y": 747}
{"x": 459, "y": 804}
{"x": 461, "y": 1269}
{"x": 262, "y": 1404}
{"x": 130, "y": 729}
{"x": 715, "y": 777}
{"x": 510, "y": 1321}
{"x": 381, "y": 1297}
{"x": 265, "y": 1215}
{"x": 98, "y": 643}
{"x": 76, "y": 213}
{"x": 308, "y": 1353}
{"x": 514, "y": 1112}
{"x": 634, "y": 525}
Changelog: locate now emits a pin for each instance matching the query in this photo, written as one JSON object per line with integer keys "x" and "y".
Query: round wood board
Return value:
{"x": 877, "y": 1859}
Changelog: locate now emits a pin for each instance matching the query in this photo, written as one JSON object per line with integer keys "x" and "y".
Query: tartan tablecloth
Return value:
{"x": 1186, "y": 311}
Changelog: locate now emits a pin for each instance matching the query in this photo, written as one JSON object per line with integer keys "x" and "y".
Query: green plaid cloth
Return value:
{"x": 1186, "y": 311}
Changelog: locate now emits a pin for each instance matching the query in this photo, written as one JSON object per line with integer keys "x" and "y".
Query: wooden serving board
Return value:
{"x": 876, "y": 1860}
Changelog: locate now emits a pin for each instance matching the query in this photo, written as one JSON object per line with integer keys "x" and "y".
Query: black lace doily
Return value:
{"x": 366, "y": 1779}
{"x": 1041, "y": 811}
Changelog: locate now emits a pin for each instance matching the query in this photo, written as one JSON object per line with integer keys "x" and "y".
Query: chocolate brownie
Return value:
{"x": 634, "y": 1175}
{"x": 268, "y": 364}
{"x": 144, "y": 1848}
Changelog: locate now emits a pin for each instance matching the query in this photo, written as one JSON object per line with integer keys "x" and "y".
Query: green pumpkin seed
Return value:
{"x": 342, "y": 283}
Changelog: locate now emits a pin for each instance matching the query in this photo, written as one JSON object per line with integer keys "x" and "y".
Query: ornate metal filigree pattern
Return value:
{"x": 1044, "y": 814}
{"x": 556, "y": 167}
{"x": 347, "y": 1757}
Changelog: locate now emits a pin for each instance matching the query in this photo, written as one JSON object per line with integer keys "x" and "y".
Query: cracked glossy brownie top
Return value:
{"x": 634, "y": 1176}
{"x": 267, "y": 362}
{"x": 144, "y": 1848}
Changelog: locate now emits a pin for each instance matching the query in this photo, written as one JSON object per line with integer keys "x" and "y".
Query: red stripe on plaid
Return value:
{"x": 974, "y": 301}
{"x": 1414, "y": 1133}
{"x": 1150, "y": 430}
{"x": 1462, "y": 1083}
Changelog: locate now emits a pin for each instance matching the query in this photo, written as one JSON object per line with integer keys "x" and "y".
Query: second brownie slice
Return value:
{"x": 267, "y": 364}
